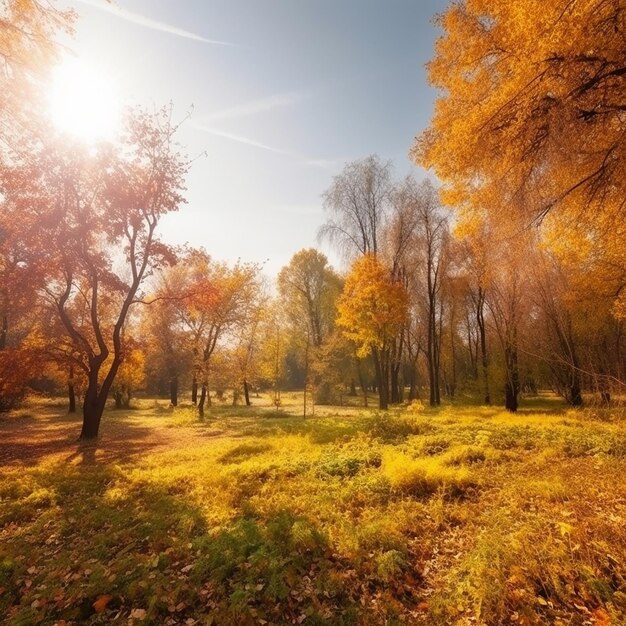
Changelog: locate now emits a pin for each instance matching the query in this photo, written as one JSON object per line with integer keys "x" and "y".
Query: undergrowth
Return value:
{"x": 462, "y": 515}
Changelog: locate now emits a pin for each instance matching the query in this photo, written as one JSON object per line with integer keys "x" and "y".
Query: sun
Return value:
{"x": 83, "y": 102}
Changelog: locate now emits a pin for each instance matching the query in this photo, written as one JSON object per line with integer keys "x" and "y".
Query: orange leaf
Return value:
{"x": 101, "y": 603}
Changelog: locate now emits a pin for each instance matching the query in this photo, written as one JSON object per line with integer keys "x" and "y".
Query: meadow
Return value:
{"x": 460, "y": 515}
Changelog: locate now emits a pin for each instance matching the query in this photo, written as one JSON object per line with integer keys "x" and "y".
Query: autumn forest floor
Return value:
{"x": 460, "y": 515}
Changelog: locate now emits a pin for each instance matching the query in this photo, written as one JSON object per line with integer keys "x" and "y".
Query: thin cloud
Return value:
{"x": 135, "y": 18}
{"x": 326, "y": 164}
{"x": 269, "y": 103}
{"x": 240, "y": 139}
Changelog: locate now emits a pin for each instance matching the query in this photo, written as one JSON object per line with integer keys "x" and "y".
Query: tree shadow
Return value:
{"x": 28, "y": 442}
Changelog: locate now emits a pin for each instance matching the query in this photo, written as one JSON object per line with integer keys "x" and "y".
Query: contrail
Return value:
{"x": 269, "y": 103}
{"x": 241, "y": 139}
{"x": 149, "y": 23}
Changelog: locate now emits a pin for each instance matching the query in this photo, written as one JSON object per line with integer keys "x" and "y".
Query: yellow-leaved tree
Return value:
{"x": 530, "y": 120}
{"x": 372, "y": 310}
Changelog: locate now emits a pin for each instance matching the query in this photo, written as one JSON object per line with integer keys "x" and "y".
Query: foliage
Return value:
{"x": 372, "y": 306}
{"x": 528, "y": 125}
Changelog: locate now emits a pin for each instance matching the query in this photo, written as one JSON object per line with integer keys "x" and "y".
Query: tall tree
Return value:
{"x": 432, "y": 259}
{"x": 27, "y": 52}
{"x": 97, "y": 215}
{"x": 219, "y": 299}
{"x": 358, "y": 201}
{"x": 308, "y": 289}
{"x": 529, "y": 120}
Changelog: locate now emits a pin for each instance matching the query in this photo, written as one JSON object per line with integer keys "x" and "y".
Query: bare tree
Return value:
{"x": 358, "y": 201}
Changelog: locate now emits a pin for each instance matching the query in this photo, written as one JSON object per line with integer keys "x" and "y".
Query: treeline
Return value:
{"x": 427, "y": 310}
{"x": 521, "y": 288}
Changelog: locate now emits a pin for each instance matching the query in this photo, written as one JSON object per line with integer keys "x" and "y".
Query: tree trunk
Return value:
{"x": 202, "y": 400}
{"x": 480, "y": 319}
{"x": 246, "y": 392}
{"x": 396, "y": 389}
{"x": 510, "y": 397}
{"x": 174, "y": 391}
{"x": 412, "y": 382}
{"x": 512, "y": 385}
{"x": 93, "y": 407}
{"x": 382, "y": 376}
{"x": 71, "y": 392}
{"x": 575, "y": 393}
{"x": 117, "y": 395}
{"x": 352, "y": 387}
{"x": 362, "y": 382}
{"x": 194, "y": 390}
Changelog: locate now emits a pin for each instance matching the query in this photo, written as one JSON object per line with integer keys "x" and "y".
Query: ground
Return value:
{"x": 459, "y": 515}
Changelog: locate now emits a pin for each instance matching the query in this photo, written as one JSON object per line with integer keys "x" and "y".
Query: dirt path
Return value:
{"x": 53, "y": 435}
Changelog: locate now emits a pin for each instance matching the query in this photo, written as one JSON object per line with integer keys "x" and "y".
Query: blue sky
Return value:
{"x": 284, "y": 92}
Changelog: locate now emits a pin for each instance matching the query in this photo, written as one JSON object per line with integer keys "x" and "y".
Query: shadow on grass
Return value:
{"x": 87, "y": 544}
{"x": 29, "y": 440}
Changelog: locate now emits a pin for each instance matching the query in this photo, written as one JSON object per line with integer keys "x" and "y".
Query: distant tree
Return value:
{"x": 308, "y": 289}
{"x": 130, "y": 377}
{"x": 358, "y": 201}
{"x": 219, "y": 300}
{"x": 509, "y": 304}
{"x": 372, "y": 309}
{"x": 430, "y": 261}
{"x": 168, "y": 345}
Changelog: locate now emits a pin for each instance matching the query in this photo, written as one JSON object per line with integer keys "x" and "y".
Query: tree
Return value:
{"x": 27, "y": 51}
{"x": 550, "y": 289}
{"x": 476, "y": 244}
{"x": 508, "y": 304}
{"x": 399, "y": 240}
{"x": 130, "y": 377}
{"x": 371, "y": 311}
{"x": 167, "y": 342}
{"x": 530, "y": 119}
{"x": 432, "y": 259}
{"x": 97, "y": 215}
{"x": 246, "y": 347}
{"x": 358, "y": 201}
{"x": 308, "y": 289}
{"x": 218, "y": 300}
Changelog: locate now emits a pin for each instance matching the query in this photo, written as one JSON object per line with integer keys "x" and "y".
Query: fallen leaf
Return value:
{"x": 138, "y": 613}
{"x": 602, "y": 617}
{"x": 101, "y": 603}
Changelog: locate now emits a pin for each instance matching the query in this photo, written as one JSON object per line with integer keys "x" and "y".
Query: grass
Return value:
{"x": 461, "y": 515}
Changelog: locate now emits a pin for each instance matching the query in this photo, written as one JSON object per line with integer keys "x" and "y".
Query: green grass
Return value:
{"x": 461, "y": 515}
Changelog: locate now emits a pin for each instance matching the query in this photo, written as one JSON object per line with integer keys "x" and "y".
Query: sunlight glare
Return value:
{"x": 83, "y": 102}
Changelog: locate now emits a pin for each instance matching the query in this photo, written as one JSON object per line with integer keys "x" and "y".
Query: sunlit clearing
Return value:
{"x": 83, "y": 102}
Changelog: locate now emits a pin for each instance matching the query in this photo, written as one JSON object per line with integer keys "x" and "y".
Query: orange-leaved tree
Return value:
{"x": 96, "y": 216}
{"x": 215, "y": 301}
{"x": 27, "y": 52}
{"x": 372, "y": 309}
